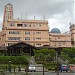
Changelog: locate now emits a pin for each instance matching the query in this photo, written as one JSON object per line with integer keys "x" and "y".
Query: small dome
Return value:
{"x": 55, "y": 30}
{"x": 9, "y": 4}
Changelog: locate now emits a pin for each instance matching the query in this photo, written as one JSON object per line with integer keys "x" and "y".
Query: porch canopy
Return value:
{"x": 20, "y": 48}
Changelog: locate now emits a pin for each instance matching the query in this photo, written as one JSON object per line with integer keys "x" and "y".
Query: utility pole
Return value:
{"x": 57, "y": 65}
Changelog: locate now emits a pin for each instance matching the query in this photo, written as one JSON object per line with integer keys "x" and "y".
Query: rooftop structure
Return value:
{"x": 55, "y": 30}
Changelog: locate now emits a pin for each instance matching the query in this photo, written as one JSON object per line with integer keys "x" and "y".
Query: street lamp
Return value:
{"x": 9, "y": 66}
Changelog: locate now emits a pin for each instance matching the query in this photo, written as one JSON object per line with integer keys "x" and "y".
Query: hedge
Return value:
{"x": 14, "y": 59}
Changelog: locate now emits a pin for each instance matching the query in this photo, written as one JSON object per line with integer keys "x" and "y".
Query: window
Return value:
{"x": 12, "y": 24}
{"x": 59, "y": 45}
{"x": 54, "y": 45}
{"x": 7, "y": 8}
{"x": 28, "y": 33}
{"x": 27, "y": 25}
{"x": 49, "y": 38}
{"x": 36, "y": 38}
{"x": 38, "y": 32}
{"x": 27, "y": 38}
{"x": 38, "y": 25}
{"x": 14, "y": 32}
{"x": 33, "y": 25}
{"x": 19, "y": 25}
{"x": 9, "y": 44}
{"x": 63, "y": 42}
{"x": 33, "y": 33}
{"x": 38, "y": 45}
{"x": 8, "y": 16}
{"x": 59, "y": 42}
{"x": 58, "y": 37}
{"x": 13, "y": 38}
{"x": 33, "y": 38}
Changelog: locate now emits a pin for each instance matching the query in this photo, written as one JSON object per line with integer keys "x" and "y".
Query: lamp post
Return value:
{"x": 57, "y": 63}
{"x": 9, "y": 66}
{"x": 19, "y": 68}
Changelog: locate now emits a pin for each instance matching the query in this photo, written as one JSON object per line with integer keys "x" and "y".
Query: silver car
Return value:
{"x": 31, "y": 68}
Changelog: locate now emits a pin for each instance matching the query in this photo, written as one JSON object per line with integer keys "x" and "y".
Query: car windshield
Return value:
{"x": 64, "y": 65}
{"x": 32, "y": 65}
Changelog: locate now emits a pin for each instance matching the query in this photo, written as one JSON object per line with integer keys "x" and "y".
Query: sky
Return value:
{"x": 59, "y": 13}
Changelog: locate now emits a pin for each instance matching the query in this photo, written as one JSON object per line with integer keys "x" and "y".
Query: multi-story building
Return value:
{"x": 72, "y": 30}
{"x": 33, "y": 32}
{"x": 59, "y": 40}
{"x": 1, "y": 38}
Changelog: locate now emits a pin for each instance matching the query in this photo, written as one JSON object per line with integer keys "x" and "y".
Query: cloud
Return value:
{"x": 41, "y": 7}
{"x": 0, "y": 25}
{"x": 60, "y": 21}
{"x": 57, "y": 12}
{"x": 1, "y": 20}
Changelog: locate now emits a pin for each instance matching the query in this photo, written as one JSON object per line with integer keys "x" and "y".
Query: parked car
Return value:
{"x": 64, "y": 68}
{"x": 31, "y": 68}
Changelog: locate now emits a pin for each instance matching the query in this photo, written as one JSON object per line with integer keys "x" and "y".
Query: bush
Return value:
{"x": 14, "y": 59}
{"x": 51, "y": 65}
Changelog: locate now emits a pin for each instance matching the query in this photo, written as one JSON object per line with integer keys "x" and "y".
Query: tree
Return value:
{"x": 45, "y": 54}
{"x": 68, "y": 54}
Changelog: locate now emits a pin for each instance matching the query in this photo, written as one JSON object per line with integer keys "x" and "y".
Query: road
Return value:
{"x": 37, "y": 73}
{"x": 50, "y": 73}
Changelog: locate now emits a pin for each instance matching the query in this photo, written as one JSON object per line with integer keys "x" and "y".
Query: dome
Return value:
{"x": 9, "y": 4}
{"x": 55, "y": 30}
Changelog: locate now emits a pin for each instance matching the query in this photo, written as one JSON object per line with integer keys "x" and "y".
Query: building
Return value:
{"x": 72, "y": 31}
{"x": 33, "y": 32}
{"x": 1, "y": 39}
{"x": 56, "y": 39}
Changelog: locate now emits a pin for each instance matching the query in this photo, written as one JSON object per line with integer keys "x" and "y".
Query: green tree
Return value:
{"x": 68, "y": 54}
{"x": 45, "y": 54}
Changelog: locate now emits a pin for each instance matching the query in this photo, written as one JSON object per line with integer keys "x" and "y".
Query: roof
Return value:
{"x": 55, "y": 30}
{"x": 21, "y": 44}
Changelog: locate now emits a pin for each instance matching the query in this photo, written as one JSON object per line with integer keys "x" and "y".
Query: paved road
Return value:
{"x": 49, "y": 73}
{"x": 37, "y": 73}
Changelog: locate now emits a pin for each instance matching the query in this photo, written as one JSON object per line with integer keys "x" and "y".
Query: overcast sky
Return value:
{"x": 58, "y": 12}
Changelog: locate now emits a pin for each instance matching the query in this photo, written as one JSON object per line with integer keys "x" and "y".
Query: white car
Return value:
{"x": 31, "y": 68}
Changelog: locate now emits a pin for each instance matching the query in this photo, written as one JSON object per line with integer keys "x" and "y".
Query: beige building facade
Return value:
{"x": 59, "y": 40}
{"x": 72, "y": 31}
{"x": 28, "y": 31}
{"x": 33, "y": 32}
